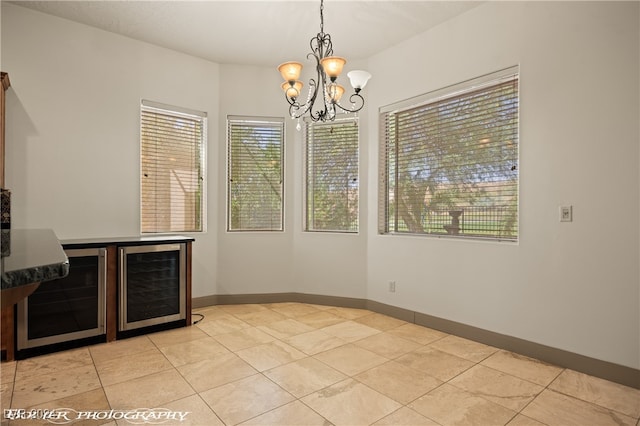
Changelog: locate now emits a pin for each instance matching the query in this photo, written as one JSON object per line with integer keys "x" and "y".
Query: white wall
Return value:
{"x": 252, "y": 262}
{"x": 573, "y": 286}
{"x": 292, "y": 261}
{"x": 72, "y": 154}
{"x": 329, "y": 263}
{"x": 72, "y": 164}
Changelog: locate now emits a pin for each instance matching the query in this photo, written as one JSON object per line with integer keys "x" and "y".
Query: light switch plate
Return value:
{"x": 566, "y": 213}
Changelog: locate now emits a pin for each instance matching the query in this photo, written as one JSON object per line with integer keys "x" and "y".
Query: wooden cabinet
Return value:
{"x": 5, "y": 85}
{"x": 7, "y": 336}
{"x": 152, "y": 265}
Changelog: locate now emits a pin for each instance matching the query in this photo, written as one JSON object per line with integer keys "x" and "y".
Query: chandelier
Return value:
{"x": 323, "y": 89}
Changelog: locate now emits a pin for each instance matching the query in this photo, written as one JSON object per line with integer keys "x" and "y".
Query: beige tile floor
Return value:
{"x": 300, "y": 364}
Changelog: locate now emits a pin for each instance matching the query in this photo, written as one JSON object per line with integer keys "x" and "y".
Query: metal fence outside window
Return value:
{"x": 471, "y": 220}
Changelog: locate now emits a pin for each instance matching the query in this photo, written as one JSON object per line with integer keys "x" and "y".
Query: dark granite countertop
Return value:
{"x": 34, "y": 255}
{"x": 125, "y": 241}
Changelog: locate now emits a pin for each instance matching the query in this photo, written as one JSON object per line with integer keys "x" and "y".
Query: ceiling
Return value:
{"x": 264, "y": 32}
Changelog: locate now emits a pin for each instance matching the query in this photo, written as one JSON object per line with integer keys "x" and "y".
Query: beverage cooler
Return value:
{"x": 66, "y": 309}
{"x": 151, "y": 285}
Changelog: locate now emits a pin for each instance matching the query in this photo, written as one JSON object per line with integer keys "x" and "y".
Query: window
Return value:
{"x": 255, "y": 174}
{"x": 450, "y": 161}
{"x": 172, "y": 163}
{"x": 332, "y": 176}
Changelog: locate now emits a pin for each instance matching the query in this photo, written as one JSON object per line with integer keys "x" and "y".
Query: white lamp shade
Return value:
{"x": 358, "y": 78}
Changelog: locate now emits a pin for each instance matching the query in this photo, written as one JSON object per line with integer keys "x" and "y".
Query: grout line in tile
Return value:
{"x": 312, "y": 409}
{"x": 519, "y": 378}
{"x": 540, "y": 393}
{"x": 95, "y": 367}
{"x": 350, "y": 376}
{"x": 595, "y": 404}
{"x": 279, "y": 406}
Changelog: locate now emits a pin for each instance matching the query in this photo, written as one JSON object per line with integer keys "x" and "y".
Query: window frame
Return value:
{"x": 432, "y": 98}
{"x": 178, "y": 113}
{"x": 343, "y": 119}
{"x": 270, "y": 121}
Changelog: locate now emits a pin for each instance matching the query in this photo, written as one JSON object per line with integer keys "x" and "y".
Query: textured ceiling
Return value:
{"x": 265, "y": 32}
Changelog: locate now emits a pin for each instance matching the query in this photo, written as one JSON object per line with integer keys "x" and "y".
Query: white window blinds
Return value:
{"x": 172, "y": 153}
{"x": 332, "y": 176}
{"x": 255, "y": 178}
{"x": 450, "y": 162}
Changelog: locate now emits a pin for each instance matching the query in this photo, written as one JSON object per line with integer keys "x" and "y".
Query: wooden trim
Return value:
{"x": 7, "y": 338}
{"x": 11, "y": 296}
{"x": 8, "y": 334}
{"x": 2, "y": 131}
{"x": 112, "y": 293}
{"x": 5, "y": 85}
{"x": 5, "y": 80}
{"x": 605, "y": 370}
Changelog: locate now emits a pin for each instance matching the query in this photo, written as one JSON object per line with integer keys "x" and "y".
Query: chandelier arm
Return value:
{"x": 296, "y": 109}
{"x": 313, "y": 115}
{"x": 356, "y": 100}
{"x": 291, "y": 102}
{"x": 321, "y": 46}
{"x": 318, "y": 114}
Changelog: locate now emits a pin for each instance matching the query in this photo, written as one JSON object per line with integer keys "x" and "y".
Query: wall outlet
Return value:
{"x": 566, "y": 213}
{"x": 392, "y": 286}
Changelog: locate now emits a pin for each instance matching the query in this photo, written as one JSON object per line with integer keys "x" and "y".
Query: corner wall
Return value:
{"x": 573, "y": 286}
{"x": 72, "y": 154}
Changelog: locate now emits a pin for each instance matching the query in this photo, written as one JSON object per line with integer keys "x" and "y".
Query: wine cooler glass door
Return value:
{"x": 68, "y": 308}
{"x": 152, "y": 285}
